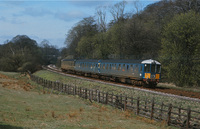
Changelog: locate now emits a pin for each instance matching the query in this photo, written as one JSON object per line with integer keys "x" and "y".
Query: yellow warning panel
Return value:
{"x": 157, "y": 76}
{"x": 147, "y": 75}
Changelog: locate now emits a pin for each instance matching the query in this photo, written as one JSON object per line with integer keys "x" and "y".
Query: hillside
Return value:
{"x": 24, "y": 105}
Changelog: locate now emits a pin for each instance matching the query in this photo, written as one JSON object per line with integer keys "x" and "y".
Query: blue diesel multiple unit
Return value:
{"x": 136, "y": 72}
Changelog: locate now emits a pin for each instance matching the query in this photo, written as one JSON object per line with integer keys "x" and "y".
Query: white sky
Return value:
{"x": 48, "y": 19}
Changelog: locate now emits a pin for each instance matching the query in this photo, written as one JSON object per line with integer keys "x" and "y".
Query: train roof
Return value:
{"x": 110, "y": 61}
{"x": 149, "y": 61}
{"x": 122, "y": 61}
{"x": 68, "y": 60}
{"x": 87, "y": 60}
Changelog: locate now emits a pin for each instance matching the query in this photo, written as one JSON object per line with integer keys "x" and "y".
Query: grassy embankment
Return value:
{"x": 24, "y": 105}
{"x": 117, "y": 90}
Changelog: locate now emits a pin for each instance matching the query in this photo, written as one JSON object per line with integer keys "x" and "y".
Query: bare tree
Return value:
{"x": 101, "y": 18}
{"x": 186, "y": 5}
{"x": 138, "y": 6}
{"x": 117, "y": 11}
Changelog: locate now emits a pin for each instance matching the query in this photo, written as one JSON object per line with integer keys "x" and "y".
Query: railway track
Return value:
{"x": 181, "y": 94}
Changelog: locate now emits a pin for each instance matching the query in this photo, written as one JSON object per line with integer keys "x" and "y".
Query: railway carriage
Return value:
{"x": 67, "y": 65}
{"x": 137, "y": 72}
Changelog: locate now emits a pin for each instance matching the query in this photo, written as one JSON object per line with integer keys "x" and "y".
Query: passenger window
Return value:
{"x": 136, "y": 68}
{"x": 107, "y": 66}
{"x": 127, "y": 67}
{"x": 131, "y": 68}
{"x": 103, "y": 66}
{"x": 124, "y": 66}
{"x": 119, "y": 67}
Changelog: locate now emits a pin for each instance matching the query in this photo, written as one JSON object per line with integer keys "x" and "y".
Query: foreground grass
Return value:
{"x": 117, "y": 90}
{"x": 33, "y": 109}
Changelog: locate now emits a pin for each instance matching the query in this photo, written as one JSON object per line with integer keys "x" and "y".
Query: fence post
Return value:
{"x": 99, "y": 97}
{"x": 131, "y": 100}
{"x": 188, "y": 118}
{"x": 52, "y": 87}
{"x": 65, "y": 88}
{"x": 68, "y": 92}
{"x": 48, "y": 84}
{"x": 58, "y": 86}
{"x": 106, "y": 97}
{"x": 74, "y": 90}
{"x": 112, "y": 98}
{"x": 138, "y": 105}
{"x": 152, "y": 109}
{"x": 103, "y": 97}
{"x": 45, "y": 83}
{"x": 89, "y": 95}
{"x": 121, "y": 101}
{"x": 116, "y": 101}
{"x": 169, "y": 114}
{"x": 80, "y": 92}
{"x": 92, "y": 94}
{"x": 179, "y": 112}
{"x": 62, "y": 87}
{"x": 161, "y": 110}
{"x": 86, "y": 93}
{"x": 125, "y": 103}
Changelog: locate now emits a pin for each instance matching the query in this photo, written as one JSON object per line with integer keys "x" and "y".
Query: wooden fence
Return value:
{"x": 173, "y": 115}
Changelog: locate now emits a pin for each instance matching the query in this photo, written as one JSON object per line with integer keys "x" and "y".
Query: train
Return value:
{"x": 135, "y": 72}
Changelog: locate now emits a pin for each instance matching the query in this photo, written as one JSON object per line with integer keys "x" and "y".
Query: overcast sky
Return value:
{"x": 48, "y": 19}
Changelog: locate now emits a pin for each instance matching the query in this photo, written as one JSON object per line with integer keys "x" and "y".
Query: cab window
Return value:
{"x": 158, "y": 68}
{"x": 147, "y": 68}
{"x": 153, "y": 68}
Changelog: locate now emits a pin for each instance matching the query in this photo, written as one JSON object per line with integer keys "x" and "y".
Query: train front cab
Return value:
{"x": 152, "y": 71}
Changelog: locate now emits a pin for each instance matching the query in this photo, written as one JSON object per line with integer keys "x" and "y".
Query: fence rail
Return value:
{"x": 173, "y": 115}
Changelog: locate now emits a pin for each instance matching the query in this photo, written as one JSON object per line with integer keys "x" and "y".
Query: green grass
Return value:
{"x": 33, "y": 109}
{"x": 117, "y": 90}
{"x": 172, "y": 86}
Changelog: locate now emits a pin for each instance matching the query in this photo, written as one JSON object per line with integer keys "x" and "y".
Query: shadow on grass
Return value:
{"x": 5, "y": 126}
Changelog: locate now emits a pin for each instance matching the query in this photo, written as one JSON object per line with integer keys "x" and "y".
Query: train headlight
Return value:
{"x": 140, "y": 74}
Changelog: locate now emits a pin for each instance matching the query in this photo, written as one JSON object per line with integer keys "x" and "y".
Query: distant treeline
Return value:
{"x": 23, "y": 54}
{"x": 168, "y": 31}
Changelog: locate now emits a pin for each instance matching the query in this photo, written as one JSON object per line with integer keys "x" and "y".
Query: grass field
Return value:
{"x": 117, "y": 90}
{"x": 24, "y": 105}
